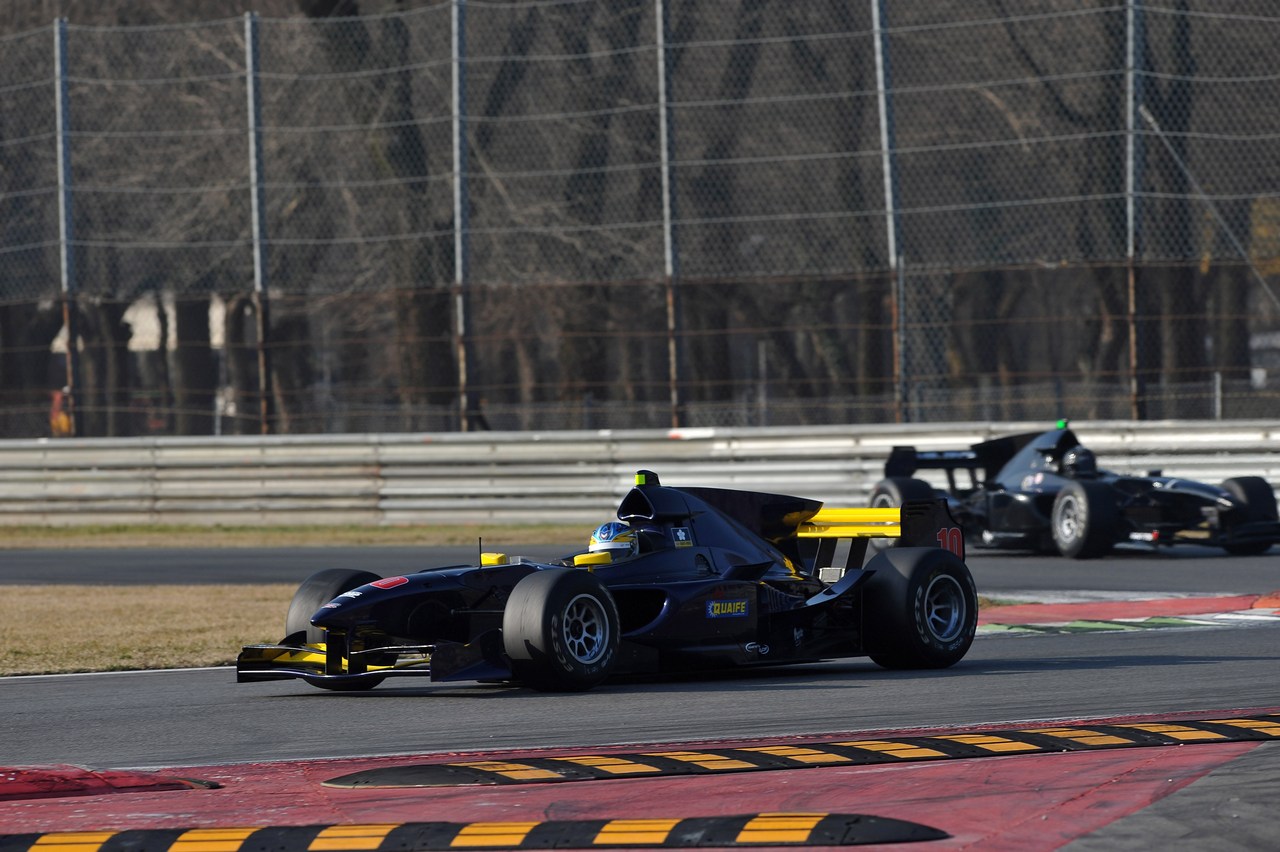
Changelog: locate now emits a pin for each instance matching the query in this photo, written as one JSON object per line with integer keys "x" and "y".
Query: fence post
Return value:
{"x": 257, "y": 206}
{"x": 670, "y": 248}
{"x": 1134, "y": 47}
{"x": 889, "y": 168}
{"x": 461, "y": 215}
{"x": 66, "y": 230}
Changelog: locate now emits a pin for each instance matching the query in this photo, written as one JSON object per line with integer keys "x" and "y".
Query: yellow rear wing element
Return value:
{"x": 835, "y": 540}
{"x": 879, "y": 522}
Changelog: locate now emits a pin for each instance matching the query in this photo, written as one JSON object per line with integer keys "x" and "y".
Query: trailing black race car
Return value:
{"x": 692, "y": 578}
{"x": 1043, "y": 491}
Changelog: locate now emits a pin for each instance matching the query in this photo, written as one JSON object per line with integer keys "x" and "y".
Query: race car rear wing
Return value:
{"x": 905, "y": 461}
{"x": 983, "y": 460}
{"x": 924, "y": 523}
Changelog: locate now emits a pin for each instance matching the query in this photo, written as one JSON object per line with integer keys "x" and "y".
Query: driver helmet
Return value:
{"x": 615, "y": 537}
{"x": 1079, "y": 461}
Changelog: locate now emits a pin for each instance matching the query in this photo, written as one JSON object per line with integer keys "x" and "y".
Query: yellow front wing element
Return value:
{"x": 313, "y": 657}
{"x": 310, "y": 655}
{"x": 853, "y": 523}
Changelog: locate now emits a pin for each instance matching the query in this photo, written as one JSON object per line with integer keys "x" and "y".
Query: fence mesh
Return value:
{"x": 641, "y": 213}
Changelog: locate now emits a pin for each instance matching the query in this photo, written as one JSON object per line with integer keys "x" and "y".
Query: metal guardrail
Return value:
{"x": 528, "y": 477}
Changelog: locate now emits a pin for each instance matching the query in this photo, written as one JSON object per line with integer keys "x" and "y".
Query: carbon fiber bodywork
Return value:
{"x": 722, "y": 578}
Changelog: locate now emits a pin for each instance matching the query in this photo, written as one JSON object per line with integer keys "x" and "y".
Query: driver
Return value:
{"x": 1079, "y": 462}
{"x": 615, "y": 537}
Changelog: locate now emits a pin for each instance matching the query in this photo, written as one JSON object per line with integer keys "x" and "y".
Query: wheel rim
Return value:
{"x": 585, "y": 629}
{"x": 945, "y": 608}
{"x": 1069, "y": 519}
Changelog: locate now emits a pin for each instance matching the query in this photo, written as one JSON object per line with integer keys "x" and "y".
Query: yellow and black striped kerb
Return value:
{"x": 769, "y": 829}
{"x": 833, "y": 753}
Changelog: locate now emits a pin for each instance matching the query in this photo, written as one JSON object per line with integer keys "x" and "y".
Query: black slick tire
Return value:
{"x": 316, "y": 591}
{"x": 1083, "y": 520}
{"x": 920, "y": 608}
{"x": 1259, "y": 499}
{"x": 561, "y": 630}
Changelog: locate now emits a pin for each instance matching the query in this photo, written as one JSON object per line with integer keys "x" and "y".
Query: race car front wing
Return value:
{"x": 332, "y": 663}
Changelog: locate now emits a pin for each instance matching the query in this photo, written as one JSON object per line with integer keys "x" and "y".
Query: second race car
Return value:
{"x": 685, "y": 579}
{"x": 1044, "y": 491}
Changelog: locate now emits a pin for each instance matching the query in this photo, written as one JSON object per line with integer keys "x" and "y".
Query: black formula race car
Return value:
{"x": 1044, "y": 491}
{"x": 718, "y": 579}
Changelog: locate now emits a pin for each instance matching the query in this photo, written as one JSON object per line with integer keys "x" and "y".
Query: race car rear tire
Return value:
{"x": 316, "y": 591}
{"x": 1260, "y": 501}
{"x": 920, "y": 607}
{"x": 1083, "y": 520}
{"x": 561, "y": 630}
{"x": 890, "y": 494}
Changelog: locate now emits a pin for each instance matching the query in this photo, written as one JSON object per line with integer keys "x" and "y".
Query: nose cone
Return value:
{"x": 359, "y": 603}
{"x": 348, "y": 606}
{"x": 335, "y": 613}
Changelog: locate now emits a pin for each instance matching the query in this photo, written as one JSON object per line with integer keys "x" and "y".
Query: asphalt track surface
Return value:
{"x": 1218, "y": 796}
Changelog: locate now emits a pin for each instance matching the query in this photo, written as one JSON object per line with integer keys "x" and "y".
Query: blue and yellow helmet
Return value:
{"x": 615, "y": 537}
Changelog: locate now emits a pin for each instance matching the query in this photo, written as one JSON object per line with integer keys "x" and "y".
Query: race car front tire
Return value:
{"x": 1083, "y": 520}
{"x": 316, "y": 591}
{"x": 561, "y": 630}
{"x": 920, "y": 608}
{"x": 1259, "y": 499}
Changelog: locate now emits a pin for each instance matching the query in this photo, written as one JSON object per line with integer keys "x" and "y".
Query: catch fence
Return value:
{"x": 582, "y": 214}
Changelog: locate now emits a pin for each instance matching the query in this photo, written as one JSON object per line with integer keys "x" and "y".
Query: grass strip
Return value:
{"x": 193, "y": 535}
{"x": 58, "y": 629}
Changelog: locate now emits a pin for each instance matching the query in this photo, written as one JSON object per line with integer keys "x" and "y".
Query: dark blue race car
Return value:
{"x": 708, "y": 579}
{"x": 1044, "y": 491}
